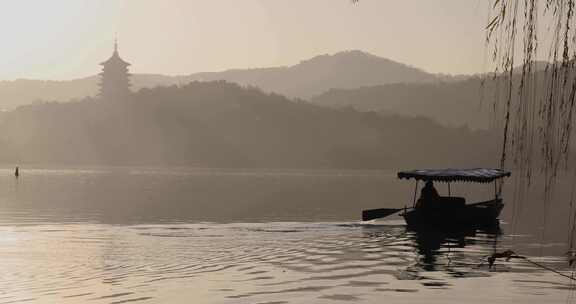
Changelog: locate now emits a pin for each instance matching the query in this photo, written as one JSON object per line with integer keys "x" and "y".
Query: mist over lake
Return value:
{"x": 278, "y": 152}
{"x": 109, "y": 234}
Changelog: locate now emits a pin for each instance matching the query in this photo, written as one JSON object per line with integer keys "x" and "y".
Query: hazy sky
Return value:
{"x": 63, "y": 39}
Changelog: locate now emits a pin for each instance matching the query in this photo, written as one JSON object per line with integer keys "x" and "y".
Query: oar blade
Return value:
{"x": 372, "y": 214}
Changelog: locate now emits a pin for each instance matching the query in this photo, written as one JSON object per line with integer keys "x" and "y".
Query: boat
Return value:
{"x": 449, "y": 211}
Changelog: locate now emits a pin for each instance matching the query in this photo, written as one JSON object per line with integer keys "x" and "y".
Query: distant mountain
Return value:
{"x": 350, "y": 69}
{"x": 219, "y": 124}
{"x": 344, "y": 70}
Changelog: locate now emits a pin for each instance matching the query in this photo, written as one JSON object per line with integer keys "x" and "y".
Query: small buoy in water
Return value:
{"x": 17, "y": 172}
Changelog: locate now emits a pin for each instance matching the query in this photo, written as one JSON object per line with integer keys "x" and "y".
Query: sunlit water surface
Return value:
{"x": 125, "y": 235}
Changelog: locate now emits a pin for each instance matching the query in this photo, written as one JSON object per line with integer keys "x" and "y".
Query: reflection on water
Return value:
{"x": 259, "y": 263}
{"x": 430, "y": 242}
{"x": 178, "y": 236}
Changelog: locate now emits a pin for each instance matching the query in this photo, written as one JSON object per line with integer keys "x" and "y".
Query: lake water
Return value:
{"x": 148, "y": 235}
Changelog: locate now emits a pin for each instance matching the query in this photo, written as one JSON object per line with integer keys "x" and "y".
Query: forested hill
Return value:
{"x": 473, "y": 101}
{"x": 220, "y": 124}
{"x": 467, "y": 102}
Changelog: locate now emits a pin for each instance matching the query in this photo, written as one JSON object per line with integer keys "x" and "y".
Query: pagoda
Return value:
{"x": 115, "y": 77}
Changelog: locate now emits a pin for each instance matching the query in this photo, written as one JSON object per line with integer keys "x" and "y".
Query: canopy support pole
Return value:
{"x": 449, "y": 192}
{"x": 415, "y": 191}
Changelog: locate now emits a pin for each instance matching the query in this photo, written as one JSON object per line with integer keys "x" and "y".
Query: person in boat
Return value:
{"x": 428, "y": 195}
{"x": 17, "y": 171}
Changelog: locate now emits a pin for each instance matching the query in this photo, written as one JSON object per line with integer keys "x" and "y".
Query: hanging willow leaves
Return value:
{"x": 538, "y": 103}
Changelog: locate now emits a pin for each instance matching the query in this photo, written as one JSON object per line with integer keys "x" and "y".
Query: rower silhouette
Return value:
{"x": 430, "y": 200}
{"x": 428, "y": 196}
{"x": 17, "y": 172}
{"x": 429, "y": 192}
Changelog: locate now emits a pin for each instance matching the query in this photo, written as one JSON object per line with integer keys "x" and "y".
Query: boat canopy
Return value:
{"x": 478, "y": 175}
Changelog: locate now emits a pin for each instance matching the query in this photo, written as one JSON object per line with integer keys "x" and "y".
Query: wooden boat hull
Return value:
{"x": 474, "y": 215}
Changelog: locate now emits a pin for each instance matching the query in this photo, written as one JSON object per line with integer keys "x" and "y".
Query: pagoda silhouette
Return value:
{"x": 115, "y": 77}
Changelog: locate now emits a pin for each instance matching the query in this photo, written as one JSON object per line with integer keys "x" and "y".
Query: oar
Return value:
{"x": 371, "y": 214}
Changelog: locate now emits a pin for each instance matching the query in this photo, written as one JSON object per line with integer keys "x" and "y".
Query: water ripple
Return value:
{"x": 333, "y": 262}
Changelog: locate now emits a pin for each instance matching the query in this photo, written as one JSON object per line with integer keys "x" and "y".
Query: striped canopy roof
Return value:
{"x": 478, "y": 175}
